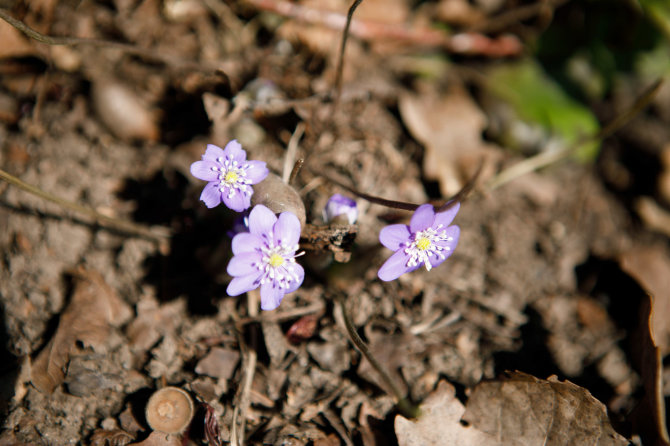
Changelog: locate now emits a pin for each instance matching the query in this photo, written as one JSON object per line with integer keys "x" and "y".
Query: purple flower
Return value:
{"x": 229, "y": 174}
{"x": 340, "y": 205}
{"x": 265, "y": 257}
{"x": 428, "y": 240}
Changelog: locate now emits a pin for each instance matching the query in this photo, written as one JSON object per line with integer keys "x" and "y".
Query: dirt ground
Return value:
{"x": 556, "y": 296}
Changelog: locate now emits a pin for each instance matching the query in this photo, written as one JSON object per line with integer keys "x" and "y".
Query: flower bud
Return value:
{"x": 339, "y": 205}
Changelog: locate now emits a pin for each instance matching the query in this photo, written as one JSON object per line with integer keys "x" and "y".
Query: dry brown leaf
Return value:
{"x": 440, "y": 423}
{"x": 14, "y": 44}
{"x": 523, "y": 410}
{"x": 650, "y": 266}
{"x": 219, "y": 363}
{"x": 450, "y": 128}
{"x": 92, "y": 311}
{"x": 153, "y": 321}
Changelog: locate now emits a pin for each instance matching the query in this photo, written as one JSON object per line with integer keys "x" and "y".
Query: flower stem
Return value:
{"x": 406, "y": 407}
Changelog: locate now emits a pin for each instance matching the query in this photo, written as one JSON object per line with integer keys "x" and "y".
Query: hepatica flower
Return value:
{"x": 230, "y": 176}
{"x": 428, "y": 240}
{"x": 265, "y": 257}
{"x": 340, "y": 205}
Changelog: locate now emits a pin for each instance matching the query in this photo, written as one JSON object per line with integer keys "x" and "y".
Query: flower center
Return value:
{"x": 275, "y": 260}
{"x": 232, "y": 176}
{"x": 277, "y": 264}
{"x": 423, "y": 243}
{"x": 424, "y": 246}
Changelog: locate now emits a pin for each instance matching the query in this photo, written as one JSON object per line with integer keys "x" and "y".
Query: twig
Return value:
{"x": 243, "y": 400}
{"x": 408, "y": 409}
{"x": 128, "y": 48}
{"x": 451, "y": 201}
{"x": 340, "y": 58}
{"x": 291, "y": 150}
{"x": 546, "y": 158}
{"x": 103, "y": 220}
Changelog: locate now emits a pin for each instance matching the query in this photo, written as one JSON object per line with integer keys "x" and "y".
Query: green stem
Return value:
{"x": 102, "y": 220}
{"x": 408, "y": 409}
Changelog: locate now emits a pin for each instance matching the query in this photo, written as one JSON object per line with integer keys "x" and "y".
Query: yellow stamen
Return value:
{"x": 423, "y": 244}
{"x": 231, "y": 177}
{"x": 276, "y": 260}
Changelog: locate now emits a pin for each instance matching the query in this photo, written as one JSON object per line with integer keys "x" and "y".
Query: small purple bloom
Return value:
{"x": 340, "y": 205}
{"x": 230, "y": 176}
{"x": 265, "y": 257}
{"x": 428, "y": 240}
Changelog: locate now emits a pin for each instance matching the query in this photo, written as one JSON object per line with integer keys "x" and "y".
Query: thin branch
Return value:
{"x": 406, "y": 206}
{"x": 408, "y": 409}
{"x": 72, "y": 41}
{"x": 340, "y": 59}
{"x": 103, "y": 220}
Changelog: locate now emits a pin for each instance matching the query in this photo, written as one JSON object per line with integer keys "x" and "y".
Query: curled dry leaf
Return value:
{"x": 92, "y": 311}
{"x": 526, "y": 411}
{"x": 650, "y": 266}
{"x": 439, "y": 423}
{"x": 450, "y": 128}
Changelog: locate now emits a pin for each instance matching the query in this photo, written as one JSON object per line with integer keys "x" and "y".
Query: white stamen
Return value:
{"x": 424, "y": 245}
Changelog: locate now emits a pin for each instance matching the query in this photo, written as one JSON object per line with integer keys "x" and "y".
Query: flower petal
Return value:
{"x": 202, "y": 170}
{"x": 243, "y": 284}
{"x": 287, "y": 229}
{"x": 245, "y": 263}
{"x": 234, "y": 149}
{"x": 256, "y": 171}
{"x": 238, "y": 202}
{"x": 393, "y": 236}
{"x": 271, "y": 295}
{"x": 446, "y": 217}
{"x": 423, "y": 218}
{"x": 246, "y": 242}
{"x": 394, "y": 267}
{"x": 261, "y": 220}
{"x": 211, "y": 195}
{"x": 212, "y": 153}
{"x": 300, "y": 273}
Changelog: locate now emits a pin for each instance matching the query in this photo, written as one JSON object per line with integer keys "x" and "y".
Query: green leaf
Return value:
{"x": 538, "y": 100}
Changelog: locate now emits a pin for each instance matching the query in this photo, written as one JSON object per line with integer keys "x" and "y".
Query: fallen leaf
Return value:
{"x": 450, "y": 128}
{"x": 526, "y": 411}
{"x": 219, "y": 363}
{"x": 92, "y": 311}
{"x": 650, "y": 266}
{"x": 14, "y": 43}
{"x": 440, "y": 423}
